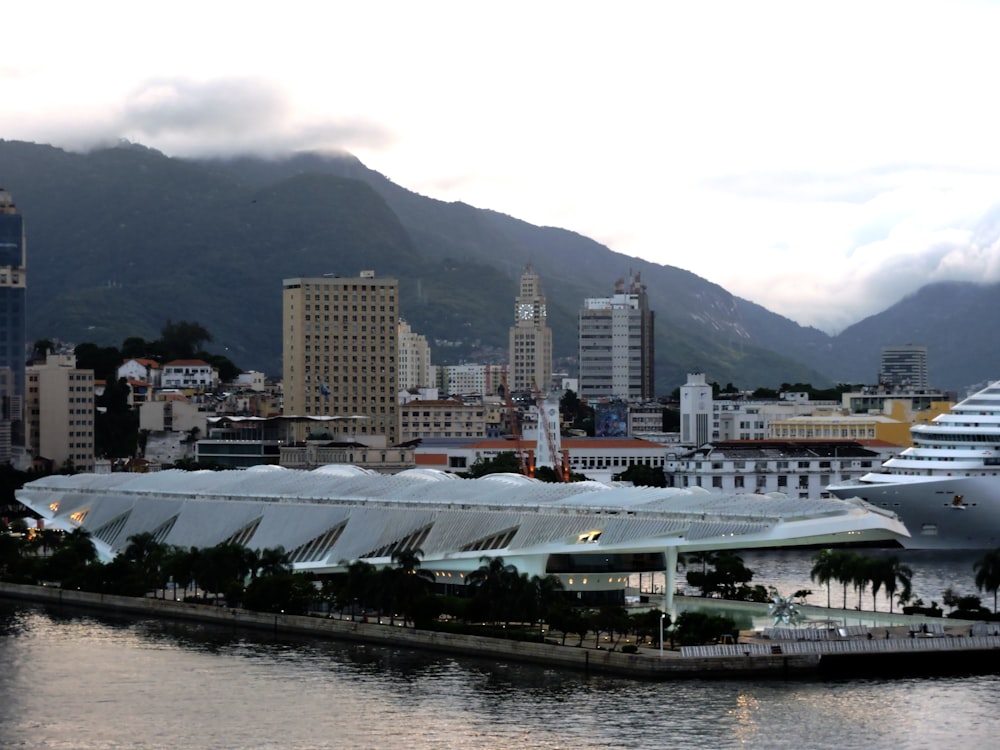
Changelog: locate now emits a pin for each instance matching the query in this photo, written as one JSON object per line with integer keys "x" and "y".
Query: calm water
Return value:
{"x": 74, "y": 681}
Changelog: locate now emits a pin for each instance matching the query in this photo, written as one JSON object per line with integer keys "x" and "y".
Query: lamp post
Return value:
{"x": 662, "y": 615}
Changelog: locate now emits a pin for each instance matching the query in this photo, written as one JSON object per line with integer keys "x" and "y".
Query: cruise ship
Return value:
{"x": 946, "y": 488}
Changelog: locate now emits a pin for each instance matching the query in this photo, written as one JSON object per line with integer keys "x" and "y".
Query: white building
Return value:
{"x": 797, "y": 469}
{"x": 591, "y": 536}
{"x": 414, "y": 359}
{"x": 696, "y": 410}
{"x": 189, "y": 374}
{"x": 141, "y": 370}
{"x": 252, "y": 379}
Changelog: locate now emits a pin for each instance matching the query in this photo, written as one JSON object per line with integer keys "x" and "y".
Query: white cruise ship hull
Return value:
{"x": 940, "y": 512}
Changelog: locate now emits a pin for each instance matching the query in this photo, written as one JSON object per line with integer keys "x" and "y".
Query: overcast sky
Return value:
{"x": 822, "y": 159}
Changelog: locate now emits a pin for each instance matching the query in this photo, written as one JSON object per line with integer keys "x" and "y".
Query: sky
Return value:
{"x": 822, "y": 159}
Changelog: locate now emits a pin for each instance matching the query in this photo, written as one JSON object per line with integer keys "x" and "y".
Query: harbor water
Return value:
{"x": 75, "y": 680}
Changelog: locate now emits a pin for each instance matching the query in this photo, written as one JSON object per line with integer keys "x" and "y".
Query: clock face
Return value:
{"x": 524, "y": 311}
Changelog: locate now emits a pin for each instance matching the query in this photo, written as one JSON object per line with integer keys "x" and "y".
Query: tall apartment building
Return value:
{"x": 414, "y": 360}
{"x": 13, "y": 291}
{"x": 903, "y": 366}
{"x": 616, "y": 345}
{"x": 339, "y": 349}
{"x": 60, "y": 411}
{"x": 530, "y": 337}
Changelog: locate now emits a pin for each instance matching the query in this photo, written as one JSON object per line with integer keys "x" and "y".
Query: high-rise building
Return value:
{"x": 414, "y": 361}
{"x": 60, "y": 409}
{"x": 530, "y": 338}
{"x": 904, "y": 366}
{"x": 616, "y": 345}
{"x": 339, "y": 349}
{"x": 13, "y": 291}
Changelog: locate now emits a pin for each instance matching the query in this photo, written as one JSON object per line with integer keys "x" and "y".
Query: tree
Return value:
{"x": 842, "y": 565}
{"x": 147, "y": 556}
{"x": 896, "y": 575}
{"x": 694, "y": 628}
{"x": 181, "y": 340}
{"x": 103, "y": 360}
{"x": 642, "y": 475}
{"x": 987, "y": 569}
{"x": 727, "y": 578}
{"x": 547, "y": 592}
{"x": 493, "y": 582}
{"x": 824, "y": 570}
{"x": 859, "y": 572}
{"x": 411, "y": 583}
{"x": 505, "y": 462}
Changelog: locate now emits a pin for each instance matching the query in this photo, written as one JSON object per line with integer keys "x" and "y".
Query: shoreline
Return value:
{"x": 712, "y": 662}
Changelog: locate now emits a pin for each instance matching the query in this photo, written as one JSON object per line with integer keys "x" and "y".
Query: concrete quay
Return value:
{"x": 753, "y": 660}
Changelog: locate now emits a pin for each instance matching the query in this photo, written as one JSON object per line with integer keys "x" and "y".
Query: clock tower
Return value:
{"x": 530, "y": 338}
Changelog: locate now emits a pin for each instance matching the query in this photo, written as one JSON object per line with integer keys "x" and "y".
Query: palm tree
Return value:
{"x": 824, "y": 570}
{"x": 842, "y": 564}
{"x": 894, "y": 572}
{"x": 988, "y": 574}
{"x": 410, "y": 582}
{"x": 860, "y": 575}
{"x": 272, "y": 561}
{"x": 547, "y": 593}
{"x": 493, "y": 581}
{"x": 360, "y": 585}
{"x": 146, "y": 554}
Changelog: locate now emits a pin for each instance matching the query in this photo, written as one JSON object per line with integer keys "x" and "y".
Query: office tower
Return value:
{"x": 339, "y": 352}
{"x": 616, "y": 345}
{"x": 60, "y": 409}
{"x": 530, "y": 338}
{"x": 13, "y": 290}
{"x": 904, "y": 367}
{"x": 414, "y": 361}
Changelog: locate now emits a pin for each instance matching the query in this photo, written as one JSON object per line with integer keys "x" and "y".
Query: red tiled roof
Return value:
{"x": 571, "y": 443}
{"x": 431, "y": 459}
{"x": 187, "y": 363}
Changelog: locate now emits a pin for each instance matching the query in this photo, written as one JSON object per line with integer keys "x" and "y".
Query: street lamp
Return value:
{"x": 662, "y": 615}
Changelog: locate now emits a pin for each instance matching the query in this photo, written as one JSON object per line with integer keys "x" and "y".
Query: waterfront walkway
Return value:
{"x": 755, "y": 656}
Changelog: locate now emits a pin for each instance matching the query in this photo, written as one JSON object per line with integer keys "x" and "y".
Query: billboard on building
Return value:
{"x": 611, "y": 419}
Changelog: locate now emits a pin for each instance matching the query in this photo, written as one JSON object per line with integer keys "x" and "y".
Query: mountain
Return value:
{"x": 121, "y": 240}
{"x": 959, "y": 322}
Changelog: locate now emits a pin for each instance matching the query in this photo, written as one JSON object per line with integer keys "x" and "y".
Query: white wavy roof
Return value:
{"x": 337, "y": 513}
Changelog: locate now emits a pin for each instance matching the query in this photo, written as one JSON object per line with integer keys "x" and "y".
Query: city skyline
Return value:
{"x": 819, "y": 161}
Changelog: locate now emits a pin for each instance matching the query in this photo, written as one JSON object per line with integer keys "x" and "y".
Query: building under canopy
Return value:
{"x": 590, "y": 535}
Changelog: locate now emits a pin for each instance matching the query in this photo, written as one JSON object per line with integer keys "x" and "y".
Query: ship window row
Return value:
{"x": 948, "y": 437}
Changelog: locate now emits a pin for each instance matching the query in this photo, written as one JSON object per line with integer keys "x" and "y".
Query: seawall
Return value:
{"x": 646, "y": 664}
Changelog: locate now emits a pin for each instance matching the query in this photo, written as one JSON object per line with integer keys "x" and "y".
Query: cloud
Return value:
{"x": 182, "y": 116}
{"x": 229, "y": 115}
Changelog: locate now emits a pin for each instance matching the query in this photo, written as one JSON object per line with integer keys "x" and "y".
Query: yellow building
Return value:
{"x": 339, "y": 349}
{"x": 60, "y": 413}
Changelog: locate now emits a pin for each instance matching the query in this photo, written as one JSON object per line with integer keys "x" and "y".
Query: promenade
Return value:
{"x": 758, "y": 654}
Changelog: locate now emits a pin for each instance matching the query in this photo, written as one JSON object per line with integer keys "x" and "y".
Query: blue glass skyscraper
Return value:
{"x": 13, "y": 293}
